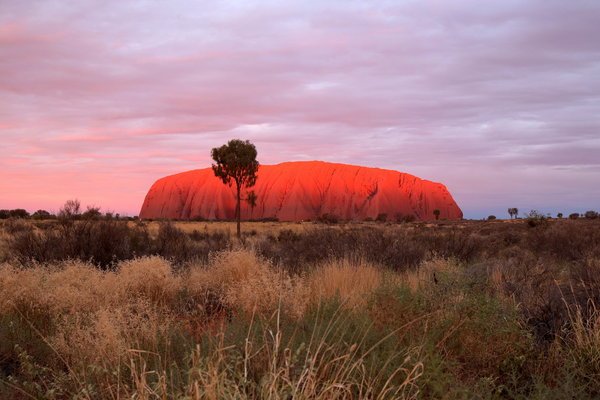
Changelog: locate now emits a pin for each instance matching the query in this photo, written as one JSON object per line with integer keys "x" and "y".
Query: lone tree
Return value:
{"x": 236, "y": 162}
{"x": 436, "y": 212}
{"x": 513, "y": 211}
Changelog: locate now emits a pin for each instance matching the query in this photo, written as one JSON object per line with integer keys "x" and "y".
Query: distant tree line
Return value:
{"x": 588, "y": 214}
{"x": 77, "y": 214}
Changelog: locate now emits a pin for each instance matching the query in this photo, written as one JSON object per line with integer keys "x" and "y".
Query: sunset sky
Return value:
{"x": 498, "y": 100}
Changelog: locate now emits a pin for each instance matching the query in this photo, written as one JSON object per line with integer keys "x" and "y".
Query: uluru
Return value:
{"x": 300, "y": 190}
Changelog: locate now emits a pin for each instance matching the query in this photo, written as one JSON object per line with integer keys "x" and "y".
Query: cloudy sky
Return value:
{"x": 499, "y": 100}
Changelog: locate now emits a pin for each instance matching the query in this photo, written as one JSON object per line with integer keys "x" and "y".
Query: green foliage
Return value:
{"x": 42, "y": 215}
{"x": 18, "y": 213}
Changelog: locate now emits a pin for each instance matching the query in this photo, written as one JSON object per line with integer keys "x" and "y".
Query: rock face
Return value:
{"x": 295, "y": 191}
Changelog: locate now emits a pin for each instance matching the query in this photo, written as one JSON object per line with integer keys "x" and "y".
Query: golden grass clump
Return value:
{"x": 150, "y": 277}
{"x": 351, "y": 282}
{"x": 80, "y": 287}
{"x": 105, "y": 336}
{"x": 98, "y": 315}
{"x": 73, "y": 287}
{"x": 243, "y": 279}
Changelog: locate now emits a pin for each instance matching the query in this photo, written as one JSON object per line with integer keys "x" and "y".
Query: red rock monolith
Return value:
{"x": 296, "y": 191}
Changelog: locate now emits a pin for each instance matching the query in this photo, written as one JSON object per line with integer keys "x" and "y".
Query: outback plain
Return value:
{"x": 99, "y": 307}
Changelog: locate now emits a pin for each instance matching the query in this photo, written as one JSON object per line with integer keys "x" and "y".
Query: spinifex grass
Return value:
{"x": 243, "y": 326}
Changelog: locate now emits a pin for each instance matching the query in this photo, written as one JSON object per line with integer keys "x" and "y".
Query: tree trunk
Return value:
{"x": 238, "y": 210}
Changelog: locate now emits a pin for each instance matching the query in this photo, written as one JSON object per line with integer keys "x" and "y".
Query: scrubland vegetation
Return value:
{"x": 94, "y": 307}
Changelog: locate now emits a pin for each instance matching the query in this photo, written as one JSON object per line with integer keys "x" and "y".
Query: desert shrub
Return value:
{"x": 591, "y": 214}
{"x": 531, "y": 282}
{"x": 26, "y": 246}
{"x": 491, "y": 217}
{"x": 368, "y": 219}
{"x": 102, "y": 240}
{"x": 15, "y": 225}
{"x": 381, "y": 217}
{"x": 182, "y": 248}
{"x": 198, "y": 236}
{"x": 314, "y": 246}
{"x": 328, "y": 218}
{"x": 394, "y": 250}
{"x": 536, "y": 219}
{"x": 140, "y": 241}
{"x": 574, "y": 216}
{"x": 409, "y": 218}
{"x": 268, "y": 219}
{"x": 565, "y": 242}
{"x": 42, "y": 215}
{"x": 287, "y": 236}
{"x": 18, "y": 213}
{"x": 105, "y": 240}
{"x": 171, "y": 242}
{"x": 582, "y": 290}
{"x": 462, "y": 245}
{"x": 243, "y": 279}
{"x": 559, "y": 215}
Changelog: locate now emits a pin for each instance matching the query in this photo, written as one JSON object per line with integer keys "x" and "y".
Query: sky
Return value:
{"x": 497, "y": 100}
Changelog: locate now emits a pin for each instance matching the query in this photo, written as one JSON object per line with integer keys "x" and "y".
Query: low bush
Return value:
{"x": 328, "y": 219}
{"x": 536, "y": 219}
{"x": 381, "y": 217}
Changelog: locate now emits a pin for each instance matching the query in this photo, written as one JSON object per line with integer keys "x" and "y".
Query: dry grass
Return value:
{"x": 98, "y": 315}
{"x": 425, "y": 275}
{"x": 244, "y": 280}
{"x": 104, "y": 337}
{"x": 228, "y": 226}
{"x": 76, "y": 287}
{"x": 350, "y": 281}
{"x": 458, "y": 323}
{"x": 103, "y": 318}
